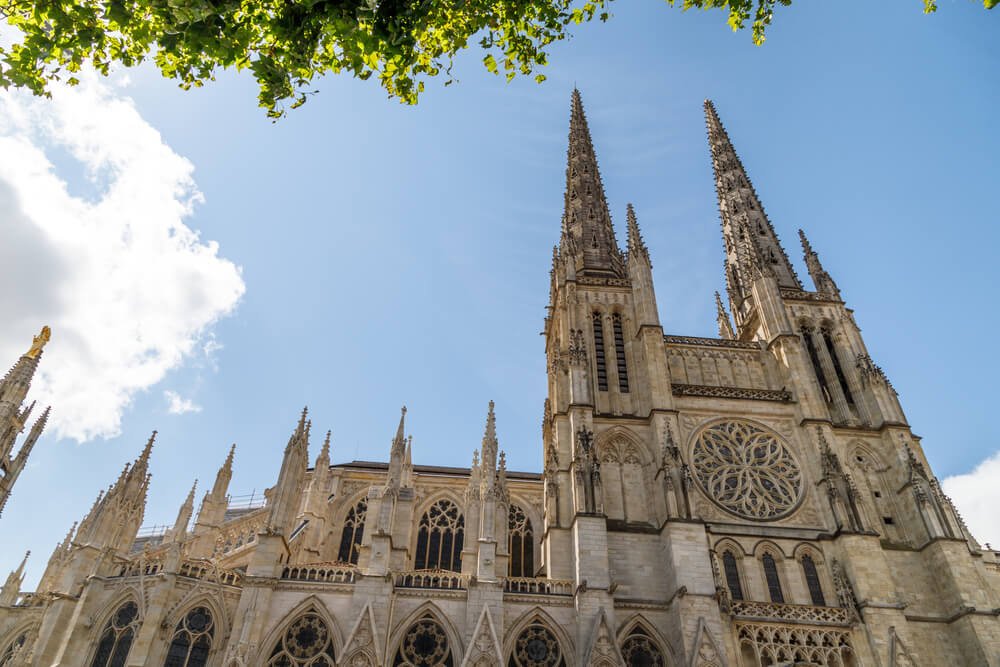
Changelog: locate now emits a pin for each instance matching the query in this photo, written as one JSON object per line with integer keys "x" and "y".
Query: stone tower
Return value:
{"x": 14, "y": 416}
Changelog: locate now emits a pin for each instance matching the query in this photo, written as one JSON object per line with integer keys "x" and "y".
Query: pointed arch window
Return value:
{"x": 640, "y": 650}
{"x": 814, "y": 358}
{"x": 521, "y": 543}
{"x": 354, "y": 530}
{"x": 192, "y": 639}
{"x": 13, "y": 650}
{"x": 841, "y": 378}
{"x": 812, "y": 581}
{"x": 773, "y": 581}
{"x": 732, "y": 573}
{"x": 602, "y": 366}
{"x": 425, "y": 644}
{"x": 306, "y": 643}
{"x": 116, "y": 640}
{"x": 536, "y": 646}
{"x": 440, "y": 538}
{"x": 616, "y": 325}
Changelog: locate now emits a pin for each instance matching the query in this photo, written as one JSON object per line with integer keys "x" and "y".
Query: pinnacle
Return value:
{"x": 806, "y": 247}
{"x": 635, "y": 241}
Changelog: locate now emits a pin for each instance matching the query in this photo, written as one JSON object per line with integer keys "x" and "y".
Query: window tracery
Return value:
{"x": 354, "y": 530}
{"x": 306, "y": 643}
{"x": 116, "y": 640}
{"x": 440, "y": 538}
{"x": 639, "y": 650}
{"x": 536, "y": 646}
{"x": 746, "y": 470}
{"x": 521, "y": 540}
{"x": 425, "y": 644}
{"x": 13, "y": 650}
{"x": 192, "y": 639}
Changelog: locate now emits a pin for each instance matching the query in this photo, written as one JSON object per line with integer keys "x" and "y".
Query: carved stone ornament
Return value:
{"x": 746, "y": 470}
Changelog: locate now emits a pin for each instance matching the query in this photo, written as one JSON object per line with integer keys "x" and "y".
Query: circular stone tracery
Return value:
{"x": 746, "y": 470}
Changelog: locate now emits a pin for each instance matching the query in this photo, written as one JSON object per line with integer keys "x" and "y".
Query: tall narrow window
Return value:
{"x": 841, "y": 378}
{"x": 354, "y": 530}
{"x": 116, "y": 640}
{"x": 192, "y": 640}
{"x": 616, "y": 321}
{"x": 440, "y": 537}
{"x": 602, "y": 367}
{"x": 732, "y": 575}
{"x": 306, "y": 643}
{"x": 812, "y": 581}
{"x": 522, "y": 543}
{"x": 771, "y": 575}
{"x": 814, "y": 357}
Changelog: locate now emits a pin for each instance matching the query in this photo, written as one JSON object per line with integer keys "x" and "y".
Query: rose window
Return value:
{"x": 746, "y": 470}
{"x": 306, "y": 643}
{"x": 536, "y": 646}
{"x": 425, "y": 644}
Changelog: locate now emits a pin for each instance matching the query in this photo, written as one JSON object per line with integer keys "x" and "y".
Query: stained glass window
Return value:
{"x": 192, "y": 639}
{"x": 440, "y": 537}
{"x": 306, "y": 643}
{"x": 812, "y": 581}
{"x": 116, "y": 640}
{"x": 536, "y": 646}
{"x": 354, "y": 530}
{"x": 773, "y": 581}
{"x": 639, "y": 650}
{"x": 732, "y": 573}
{"x": 522, "y": 543}
{"x": 425, "y": 644}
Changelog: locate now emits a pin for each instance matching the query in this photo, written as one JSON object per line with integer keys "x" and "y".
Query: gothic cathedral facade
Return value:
{"x": 748, "y": 500}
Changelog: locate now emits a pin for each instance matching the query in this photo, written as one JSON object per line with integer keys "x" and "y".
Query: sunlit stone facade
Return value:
{"x": 752, "y": 499}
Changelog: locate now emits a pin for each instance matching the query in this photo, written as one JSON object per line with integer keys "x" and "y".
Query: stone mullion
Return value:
{"x": 830, "y": 375}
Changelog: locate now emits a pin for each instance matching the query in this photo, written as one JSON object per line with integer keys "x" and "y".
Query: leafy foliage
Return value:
{"x": 286, "y": 43}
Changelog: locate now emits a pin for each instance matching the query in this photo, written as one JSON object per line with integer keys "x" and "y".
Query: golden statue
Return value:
{"x": 38, "y": 342}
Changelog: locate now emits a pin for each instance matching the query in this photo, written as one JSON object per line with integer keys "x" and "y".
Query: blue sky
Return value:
{"x": 372, "y": 254}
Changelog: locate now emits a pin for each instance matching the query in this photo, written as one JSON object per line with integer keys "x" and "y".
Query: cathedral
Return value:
{"x": 749, "y": 500}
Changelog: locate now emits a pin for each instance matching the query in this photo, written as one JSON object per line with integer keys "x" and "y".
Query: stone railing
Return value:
{"x": 208, "y": 571}
{"x": 141, "y": 566}
{"x": 711, "y": 342}
{"x": 432, "y": 579}
{"x": 790, "y": 613}
{"x": 538, "y": 586}
{"x": 328, "y": 573}
{"x": 778, "y": 395}
{"x": 992, "y": 566}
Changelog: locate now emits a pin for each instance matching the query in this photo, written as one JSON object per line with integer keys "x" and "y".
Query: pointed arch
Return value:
{"x": 538, "y": 617}
{"x": 416, "y": 635}
{"x": 520, "y": 542}
{"x": 625, "y": 475}
{"x": 116, "y": 634}
{"x": 352, "y": 531}
{"x": 440, "y": 535}
{"x": 17, "y": 642}
{"x": 640, "y": 627}
{"x": 318, "y": 637}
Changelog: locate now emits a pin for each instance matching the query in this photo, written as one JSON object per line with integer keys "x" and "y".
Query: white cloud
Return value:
{"x": 178, "y": 405}
{"x": 976, "y": 496}
{"x": 104, "y": 256}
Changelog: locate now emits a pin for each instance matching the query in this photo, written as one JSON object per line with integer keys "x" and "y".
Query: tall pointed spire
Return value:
{"x": 490, "y": 444}
{"x": 752, "y": 246}
{"x": 588, "y": 235}
{"x": 636, "y": 246}
{"x": 725, "y": 326}
{"x": 821, "y": 279}
{"x": 12, "y": 588}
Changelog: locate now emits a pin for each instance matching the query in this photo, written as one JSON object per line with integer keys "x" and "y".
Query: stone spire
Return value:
{"x": 283, "y": 498}
{"x": 12, "y": 588}
{"x": 490, "y": 445}
{"x": 725, "y": 326}
{"x": 114, "y": 520}
{"x": 13, "y": 467}
{"x": 821, "y": 279}
{"x": 636, "y": 246}
{"x": 184, "y": 516}
{"x": 397, "y": 452}
{"x": 588, "y": 236}
{"x": 752, "y": 246}
{"x": 13, "y": 391}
